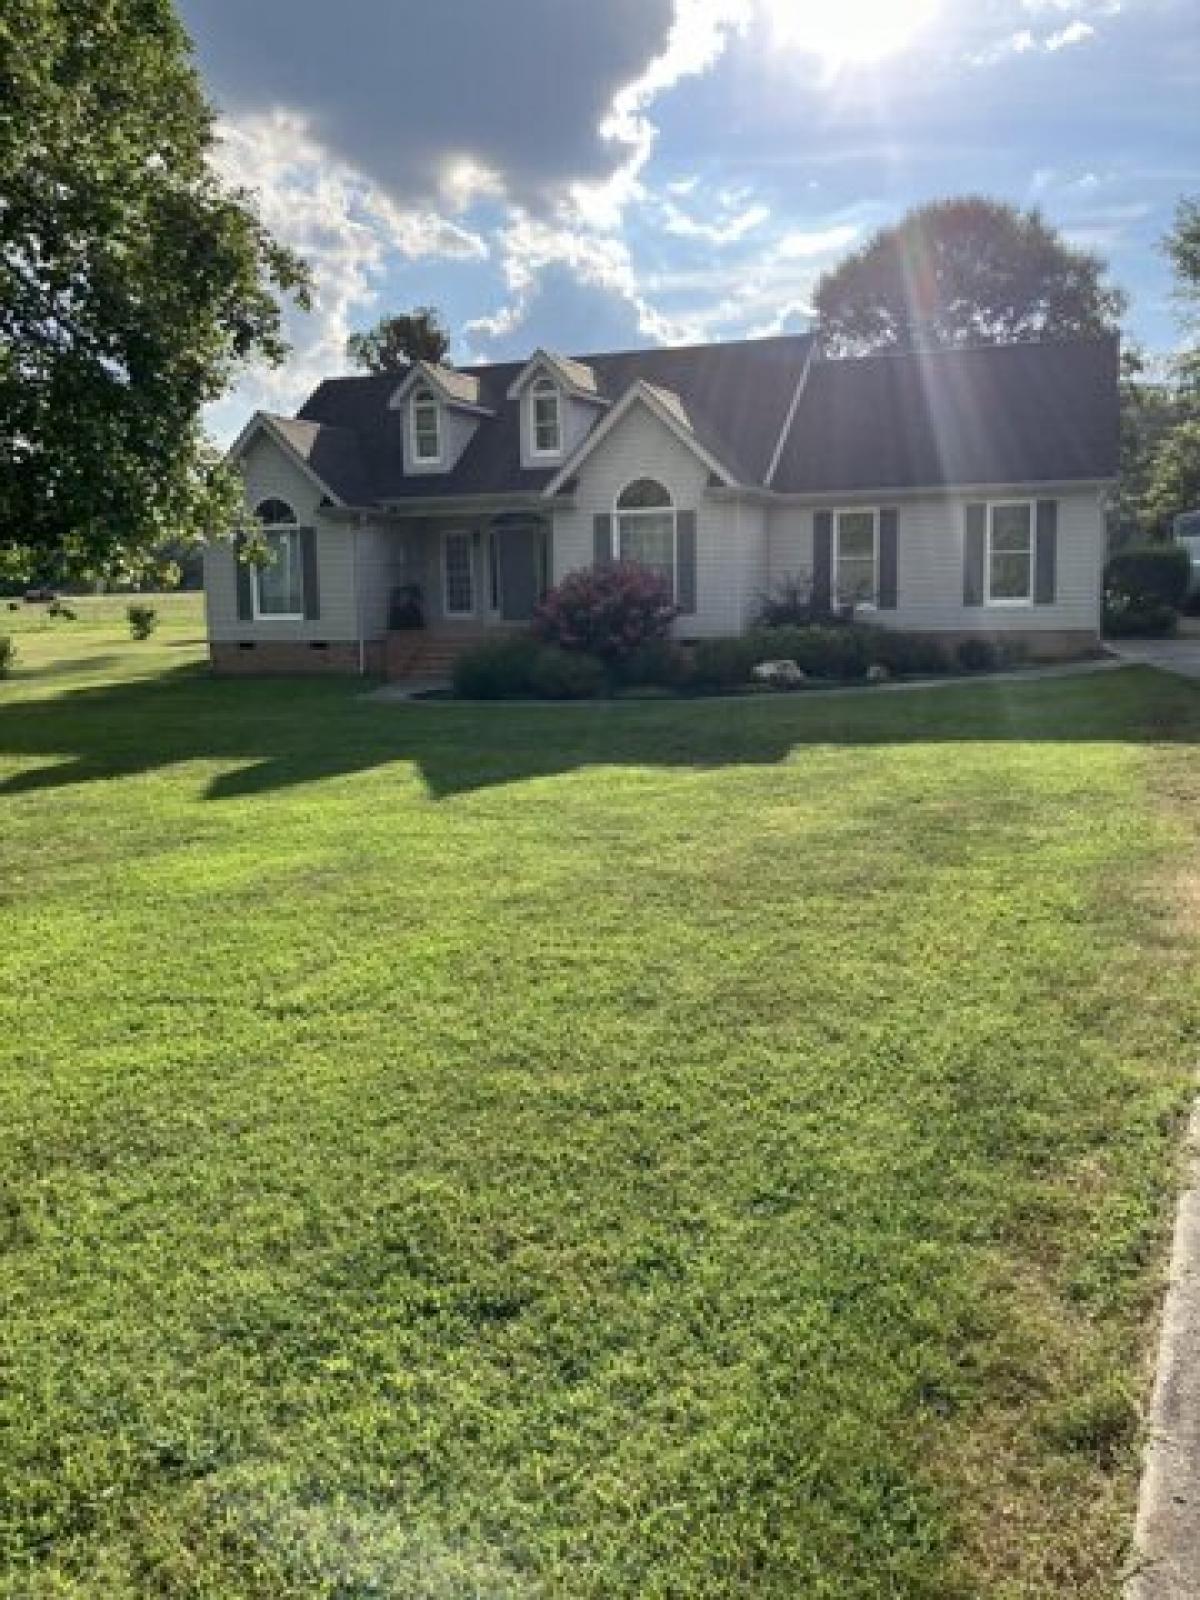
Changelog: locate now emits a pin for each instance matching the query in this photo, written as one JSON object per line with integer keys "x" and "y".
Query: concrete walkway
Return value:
{"x": 1180, "y": 655}
{"x": 1166, "y": 1563}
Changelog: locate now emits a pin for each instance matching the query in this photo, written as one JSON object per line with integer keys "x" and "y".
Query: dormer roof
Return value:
{"x": 453, "y": 386}
{"x": 576, "y": 377}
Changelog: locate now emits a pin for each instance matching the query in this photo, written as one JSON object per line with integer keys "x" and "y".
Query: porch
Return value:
{"x": 457, "y": 580}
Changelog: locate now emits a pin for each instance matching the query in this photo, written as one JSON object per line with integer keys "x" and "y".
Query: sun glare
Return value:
{"x": 847, "y": 32}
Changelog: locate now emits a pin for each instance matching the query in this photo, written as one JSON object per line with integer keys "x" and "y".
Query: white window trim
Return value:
{"x": 835, "y": 556}
{"x": 545, "y": 384}
{"x": 648, "y": 511}
{"x": 1006, "y": 602}
{"x": 423, "y": 397}
{"x": 468, "y": 535}
{"x": 267, "y": 529}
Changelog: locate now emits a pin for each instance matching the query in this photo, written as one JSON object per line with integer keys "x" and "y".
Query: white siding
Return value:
{"x": 457, "y": 431}
{"x": 270, "y": 473}
{"x": 728, "y": 564}
{"x": 577, "y": 417}
{"x": 930, "y": 561}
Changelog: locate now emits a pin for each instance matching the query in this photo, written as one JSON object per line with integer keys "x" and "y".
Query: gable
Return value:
{"x": 640, "y": 445}
{"x": 269, "y": 473}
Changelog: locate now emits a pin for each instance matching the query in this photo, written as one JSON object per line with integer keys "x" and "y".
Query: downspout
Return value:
{"x": 358, "y": 616}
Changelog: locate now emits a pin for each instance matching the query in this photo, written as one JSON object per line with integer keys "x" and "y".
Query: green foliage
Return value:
{"x": 787, "y": 603}
{"x": 1159, "y": 572}
{"x": 143, "y": 620}
{"x": 906, "y": 655}
{"x": 1174, "y": 479}
{"x": 1126, "y": 617}
{"x": 497, "y": 669}
{"x": 605, "y": 1152}
{"x": 964, "y": 271}
{"x": 977, "y": 655}
{"x": 724, "y": 663}
{"x": 134, "y": 287}
{"x": 658, "y": 664}
{"x": 560, "y": 674}
{"x": 8, "y": 654}
{"x": 398, "y": 339}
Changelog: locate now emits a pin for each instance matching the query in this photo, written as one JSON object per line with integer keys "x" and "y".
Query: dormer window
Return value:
{"x": 545, "y": 407}
{"x": 426, "y": 428}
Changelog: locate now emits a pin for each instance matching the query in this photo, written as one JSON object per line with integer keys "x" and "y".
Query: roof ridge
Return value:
{"x": 972, "y": 349}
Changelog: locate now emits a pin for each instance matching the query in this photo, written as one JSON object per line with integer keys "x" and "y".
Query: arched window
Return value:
{"x": 645, "y": 528}
{"x": 545, "y": 418}
{"x": 278, "y": 587}
{"x": 426, "y": 427}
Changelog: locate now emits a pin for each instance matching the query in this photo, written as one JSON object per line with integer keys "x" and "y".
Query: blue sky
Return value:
{"x": 591, "y": 174}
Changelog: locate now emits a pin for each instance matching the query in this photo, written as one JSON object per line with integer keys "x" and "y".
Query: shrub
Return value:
{"x": 607, "y": 612}
{"x": 142, "y": 620}
{"x": 1125, "y": 618}
{"x": 560, "y": 674}
{"x": 1149, "y": 572}
{"x": 907, "y": 654}
{"x": 726, "y": 663}
{"x": 977, "y": 655}
{"x": 828, "y": 650}
{"x": 498, "y": 669}
{"x": 787, "y": 603}
{"x": 659, "y": 664}
{"x": 8, "y": 654}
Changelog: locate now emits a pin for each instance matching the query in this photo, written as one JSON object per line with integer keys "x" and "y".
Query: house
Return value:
{"x": 955, "y": 493}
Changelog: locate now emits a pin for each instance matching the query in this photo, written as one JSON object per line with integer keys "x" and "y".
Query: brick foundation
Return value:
{"x": 1039, "y": 644}
{"x": 263, "y": 657}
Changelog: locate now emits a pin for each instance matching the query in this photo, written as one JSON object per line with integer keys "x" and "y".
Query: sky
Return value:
{"x": 598, "y": 174}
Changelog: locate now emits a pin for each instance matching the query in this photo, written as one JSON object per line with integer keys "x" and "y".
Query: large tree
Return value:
{"x": 394, "y": 341}
{"x": 963, "y": 271}
{"x": 134, "y": 287}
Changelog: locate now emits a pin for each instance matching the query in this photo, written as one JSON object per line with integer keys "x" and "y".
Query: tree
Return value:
{"x": 960, "y": 272}
{"x": 1173, "y": 475}
{"x": 134, "y": 287}
{"x": 416, "y": 335}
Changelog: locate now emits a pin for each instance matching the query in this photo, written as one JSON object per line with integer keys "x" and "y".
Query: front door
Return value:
{"x": 458, "y": 573}
{"x": 519, "y": 551}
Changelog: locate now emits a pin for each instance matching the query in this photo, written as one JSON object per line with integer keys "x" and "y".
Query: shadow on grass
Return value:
{"x": 277, "y": 733}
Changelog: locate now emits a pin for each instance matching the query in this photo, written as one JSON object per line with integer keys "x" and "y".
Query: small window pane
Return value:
{"x": 272, "y": 512}
{"x": 855, "y": 582}
{"x": 649, "y": 539}
{"x": 545, "y": 418}
{"x": 281, "y": 584}
{"x": 460, "y": 577}
{"x": 426, "y": 430}
{"x": 641, "y": 493}
{"x": 1011, "y": 554}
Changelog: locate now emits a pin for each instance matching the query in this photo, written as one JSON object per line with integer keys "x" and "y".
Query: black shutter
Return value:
{"x": 974, "y": 552}
{"x": 822, "y": 567}
{"x": 308, "y": 567}
{"x": 245, "y": 594}
{"x": 685, "y": 563}
{"x": 602, "y": 539}
{"x": 1046, "y": 560}
{"x": 889, "y": 519}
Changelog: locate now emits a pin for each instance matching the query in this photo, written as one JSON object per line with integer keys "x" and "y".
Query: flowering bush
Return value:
{"x": 608, "y": 612}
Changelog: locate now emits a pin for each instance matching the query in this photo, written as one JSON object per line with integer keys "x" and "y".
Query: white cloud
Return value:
{"x": 1074, "y": 33}
{"x": 729, "y": 231}
{"x": 345, "y": 227}
{"x": 805, "y": 244}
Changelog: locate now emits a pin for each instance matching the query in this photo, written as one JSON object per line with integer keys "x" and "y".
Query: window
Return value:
{"x": 458, "y": 574}
{"x": 426, "y": 427}
{"x": 645, "y": 528}
{"x": 856, "y": 558}
{"x": 1009, "y": 565}
{"x": 546, "y": 429}
{"x": 278, "y": 587}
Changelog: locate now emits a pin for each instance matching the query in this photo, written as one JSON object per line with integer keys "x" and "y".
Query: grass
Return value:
{"x": 645, "y": 1150}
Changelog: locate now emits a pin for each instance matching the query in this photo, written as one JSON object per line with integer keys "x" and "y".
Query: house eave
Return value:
{"x": 881, "y": 492}
{"x": 263, "y": 422}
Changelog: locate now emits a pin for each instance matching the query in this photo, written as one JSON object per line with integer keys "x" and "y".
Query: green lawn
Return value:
{"x": 642, "y": 1150}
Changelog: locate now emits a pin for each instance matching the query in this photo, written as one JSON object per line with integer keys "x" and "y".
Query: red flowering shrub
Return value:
{"x": 608, "y": 612}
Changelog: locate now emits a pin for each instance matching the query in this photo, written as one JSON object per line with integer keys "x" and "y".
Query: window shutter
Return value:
{"x": 1045, "y": 576}
{"x": 308, "y": 566}
{"x": 889, "y": 519}
{"x": 822, "y": 569}
{"x": 685, "y": 563}
{"x": 602, "y": 551}
{"x": 245, "y": 594}
{"x": 974, "y": 551}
